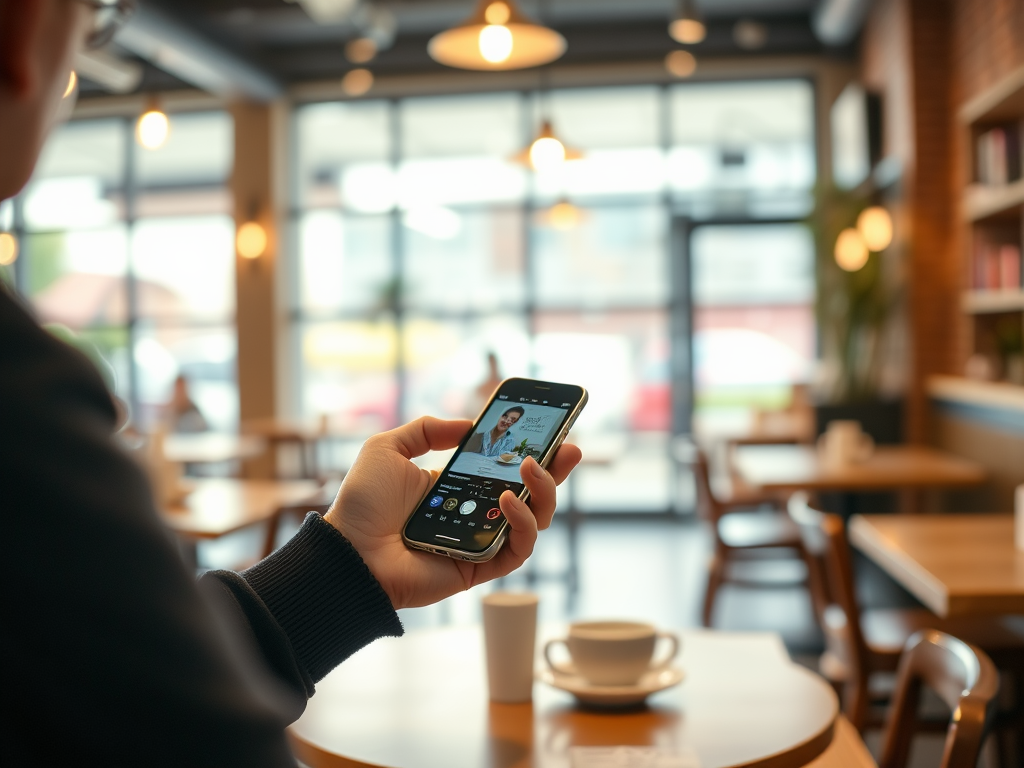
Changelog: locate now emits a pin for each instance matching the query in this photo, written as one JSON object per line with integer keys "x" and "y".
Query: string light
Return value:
{"x": 8, "y": 249}
{"x": 357, "y": 82}
{"x": 361, "y": 50}
{"x": 153, "y": 128}
{"x": 251, "y": 240}
{"x": 851, "y": 252}
{"x": 681, "y": 63}
{"x": 875, "y": 227}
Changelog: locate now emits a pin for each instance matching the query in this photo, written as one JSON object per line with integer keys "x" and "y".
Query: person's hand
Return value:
{"x": 383, "y": 487}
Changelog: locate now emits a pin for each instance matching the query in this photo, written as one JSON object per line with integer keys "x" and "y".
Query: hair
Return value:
{"x": 515, "y": 409}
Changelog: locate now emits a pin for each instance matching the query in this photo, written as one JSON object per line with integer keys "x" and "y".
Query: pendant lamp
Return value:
{"x": 497, "y": 36}
{"x": 546, "y": 151}
{"x": 686, "y": 26}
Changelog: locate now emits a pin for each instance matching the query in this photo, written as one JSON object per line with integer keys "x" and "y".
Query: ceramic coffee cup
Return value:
{"x": 611, "y": 652}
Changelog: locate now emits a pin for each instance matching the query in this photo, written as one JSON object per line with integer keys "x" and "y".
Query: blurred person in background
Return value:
{"x": 112, "y": 653}
{"x": 483, "y": 393}
{"x": 183, "y": 415}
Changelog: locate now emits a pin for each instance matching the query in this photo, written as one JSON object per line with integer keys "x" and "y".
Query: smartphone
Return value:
{"x": 459, "y": 516}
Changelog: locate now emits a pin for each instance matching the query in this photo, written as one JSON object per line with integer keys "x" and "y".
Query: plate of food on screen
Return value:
{"x": 509, "y": 459}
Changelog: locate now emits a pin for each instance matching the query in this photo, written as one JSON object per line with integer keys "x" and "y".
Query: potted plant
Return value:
{"x": 858, "y": 294}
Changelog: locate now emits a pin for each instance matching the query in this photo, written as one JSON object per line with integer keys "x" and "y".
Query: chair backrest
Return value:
{"x": 708, "y": 507}
{"x": 824, "y": 539}
{"x": 963, "y": 676}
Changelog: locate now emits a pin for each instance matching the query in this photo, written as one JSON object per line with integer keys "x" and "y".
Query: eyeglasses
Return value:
{"x": 111, "y": 15}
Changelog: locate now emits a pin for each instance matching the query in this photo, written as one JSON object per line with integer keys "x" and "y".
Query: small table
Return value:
{"x": 890, "y": 468}
{"x": 957, "y": 565}
{"x": 218, "y": 506}
{"x": 212, "y": 447}
{"x": 421, "y": 700}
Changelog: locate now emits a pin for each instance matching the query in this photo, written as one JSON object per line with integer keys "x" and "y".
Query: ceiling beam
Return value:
{"x": 174, "y": 47}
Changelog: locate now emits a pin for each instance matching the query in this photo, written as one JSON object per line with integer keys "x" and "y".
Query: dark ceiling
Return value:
{"x": 281, "y": 40}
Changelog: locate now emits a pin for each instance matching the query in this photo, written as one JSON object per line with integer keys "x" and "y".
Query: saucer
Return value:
{"x": 613, "y": 696}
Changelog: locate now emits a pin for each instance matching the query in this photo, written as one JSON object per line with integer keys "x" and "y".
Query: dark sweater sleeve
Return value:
{"x": 104, "y": 630}
{"x": 319, "y": 599}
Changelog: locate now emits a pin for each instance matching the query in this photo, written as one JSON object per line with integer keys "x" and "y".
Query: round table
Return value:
{"x": 421, "y": 701}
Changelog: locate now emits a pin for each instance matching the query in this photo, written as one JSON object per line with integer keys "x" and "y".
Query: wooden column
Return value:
{"x": 256, "y": 184}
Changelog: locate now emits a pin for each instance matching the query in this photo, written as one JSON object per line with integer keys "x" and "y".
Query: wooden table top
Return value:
{"x": 421, "y": 701}
{"x": 285, "y": 429}
{"x": 219, "y": 505}
{"x": 957, "y": 565}
{"x": 891, "y": 467}
{"x": 212, "y": 447}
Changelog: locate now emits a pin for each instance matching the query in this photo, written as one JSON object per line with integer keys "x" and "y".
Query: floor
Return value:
{"x": 650, "y": 570}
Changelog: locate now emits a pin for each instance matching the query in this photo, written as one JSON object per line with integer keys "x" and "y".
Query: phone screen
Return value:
{"x": 524, "y": 418}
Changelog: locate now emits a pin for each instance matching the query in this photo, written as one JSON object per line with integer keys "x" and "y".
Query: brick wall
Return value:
{"x": 926, "y": 57}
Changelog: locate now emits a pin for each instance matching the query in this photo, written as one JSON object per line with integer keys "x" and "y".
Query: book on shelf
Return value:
{"x": 999, "y": 158}
{"x": 997, "y": 266}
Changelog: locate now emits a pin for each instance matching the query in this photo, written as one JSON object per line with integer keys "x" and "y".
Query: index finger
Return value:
{"x": 426, "y": 434}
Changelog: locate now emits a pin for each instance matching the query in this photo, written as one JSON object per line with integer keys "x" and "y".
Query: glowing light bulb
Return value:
{"x": 681, "y": 63}
{"x": 8, "y": 249}
{"x": 875, "y": 227}
{"x": 687, "y": 31}
{"x": 851, "y": 252}
{"x": 546, "y": 152}
{"x": 251, "y": 240}
{"x": 564, "y": 216}
{"x": 361, "y": 50}
{"x": 72, "y": 82}
{"x": 153, "y": 129}
{"x": 357, "y": 82}
{"x": 495, "y": 43}
{"x": 498, "y": 13}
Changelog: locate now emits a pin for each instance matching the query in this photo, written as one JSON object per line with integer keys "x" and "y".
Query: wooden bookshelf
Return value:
{"x": 993, "y": 217}
{"x": 983, "y": 202}
{"x": 987, "y": 302}
{"x": 1003, "y": 101}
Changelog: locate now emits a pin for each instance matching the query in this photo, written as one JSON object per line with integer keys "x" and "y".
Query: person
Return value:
{"x": 183, "y": 415}
{"x": 482, "y": 394}
{"x": 112, "y": 652}
{"x": 498, "y": 439}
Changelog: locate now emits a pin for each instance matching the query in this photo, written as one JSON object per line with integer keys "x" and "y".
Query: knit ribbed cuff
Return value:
{"x": 324, "y": 597}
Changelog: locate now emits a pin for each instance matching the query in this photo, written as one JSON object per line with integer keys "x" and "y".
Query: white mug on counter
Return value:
{"x": 612, "y": 652}
{"x": 844, "y": 442}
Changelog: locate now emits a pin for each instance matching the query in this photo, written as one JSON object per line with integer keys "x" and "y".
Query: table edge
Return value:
{"x": 906, "y": 571}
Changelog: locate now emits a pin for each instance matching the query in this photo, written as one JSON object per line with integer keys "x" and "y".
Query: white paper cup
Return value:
{"x": 510, "y": 634}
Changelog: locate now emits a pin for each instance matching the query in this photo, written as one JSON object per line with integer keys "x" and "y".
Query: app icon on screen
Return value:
{"x": 451, "y": 504}
{"x": 436, "y": 501}
{"x": 468, "y": 507}
{"x": 493, "y": 513}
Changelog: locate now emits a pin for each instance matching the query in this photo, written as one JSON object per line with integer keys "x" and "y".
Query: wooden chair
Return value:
{"x": 862, "y": 644}
{"x": 962, "y": 676}
{"x": 740, "y": 534}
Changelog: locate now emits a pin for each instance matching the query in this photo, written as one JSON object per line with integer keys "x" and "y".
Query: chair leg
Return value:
{"x": 856, "y": 703}
{"x": 716, "y": 575}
